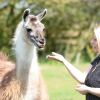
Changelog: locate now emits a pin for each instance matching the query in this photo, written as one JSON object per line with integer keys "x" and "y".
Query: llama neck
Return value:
{"x": 26, "y": 58}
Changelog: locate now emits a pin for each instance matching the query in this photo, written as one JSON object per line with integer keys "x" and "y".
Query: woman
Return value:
{"x": 89, "y": 80}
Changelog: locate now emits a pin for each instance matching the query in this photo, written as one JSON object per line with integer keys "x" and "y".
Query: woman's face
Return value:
{"x": 94, "y": 44}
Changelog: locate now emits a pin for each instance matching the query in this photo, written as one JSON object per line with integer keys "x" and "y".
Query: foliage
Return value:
{"x": 68, "y": 25}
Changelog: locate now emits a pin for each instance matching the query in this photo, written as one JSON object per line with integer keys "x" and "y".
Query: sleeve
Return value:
{"x": 95, "y": 61}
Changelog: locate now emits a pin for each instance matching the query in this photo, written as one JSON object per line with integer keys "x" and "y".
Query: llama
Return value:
{"x": 27, "y": 83}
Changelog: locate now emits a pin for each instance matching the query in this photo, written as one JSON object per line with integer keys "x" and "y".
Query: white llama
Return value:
{"x": 27, "y": 83}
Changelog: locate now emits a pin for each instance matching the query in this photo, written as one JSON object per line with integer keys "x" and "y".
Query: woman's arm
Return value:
{"x": 83, "y": 89}
{"x": 76, "y": 74}
{"x": 94, "y": 91}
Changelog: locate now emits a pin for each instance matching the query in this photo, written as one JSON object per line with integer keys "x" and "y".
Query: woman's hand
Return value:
{"x": 81, "y": 88}
{"x": 56, "y": 56}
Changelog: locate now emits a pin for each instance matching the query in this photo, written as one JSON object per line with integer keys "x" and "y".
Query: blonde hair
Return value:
{"x": 97, "y": 34}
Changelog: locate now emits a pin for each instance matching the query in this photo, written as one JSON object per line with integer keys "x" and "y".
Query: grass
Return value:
{"x": 60, "y": 85}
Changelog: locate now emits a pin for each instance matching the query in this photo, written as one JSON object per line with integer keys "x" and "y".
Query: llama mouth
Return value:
{"x": 36, "y": 42}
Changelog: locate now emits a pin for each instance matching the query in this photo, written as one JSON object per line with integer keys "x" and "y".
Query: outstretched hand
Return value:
{"x": 56, "y": 56}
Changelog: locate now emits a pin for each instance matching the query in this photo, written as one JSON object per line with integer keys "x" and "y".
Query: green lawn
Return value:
{"x": 59, "y": 83}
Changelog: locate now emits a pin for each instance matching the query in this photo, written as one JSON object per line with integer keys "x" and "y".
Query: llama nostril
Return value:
{"x": 36, "y": 37}
{"x": 42, "y": 41}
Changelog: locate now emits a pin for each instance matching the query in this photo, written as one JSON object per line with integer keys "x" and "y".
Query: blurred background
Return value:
{"x": 69, "y": 29}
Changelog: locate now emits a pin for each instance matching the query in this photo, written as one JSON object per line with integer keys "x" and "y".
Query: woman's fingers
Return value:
{"x": 55, "y": 56}
{"x": 78, "y": 85}
{"x": 52, "y": 58}
{"x": 49, "y": 56}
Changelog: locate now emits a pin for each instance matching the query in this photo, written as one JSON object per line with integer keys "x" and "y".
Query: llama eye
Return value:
{"x": 29, "y": 30}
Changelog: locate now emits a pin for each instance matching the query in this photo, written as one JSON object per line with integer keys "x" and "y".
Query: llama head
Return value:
{"x": 34, "y": 28}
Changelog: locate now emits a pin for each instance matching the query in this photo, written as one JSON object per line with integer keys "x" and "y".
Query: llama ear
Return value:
{"x": 42, "y": 14}
{"x": 26, "y": 13}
